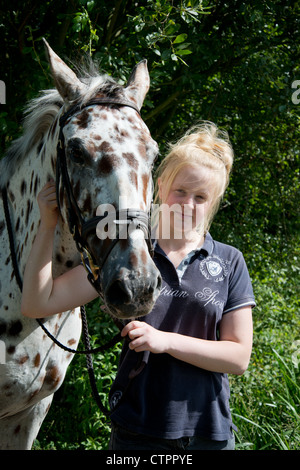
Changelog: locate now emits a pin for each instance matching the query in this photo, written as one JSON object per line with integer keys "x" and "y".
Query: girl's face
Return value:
{"x": 189, "y": 200}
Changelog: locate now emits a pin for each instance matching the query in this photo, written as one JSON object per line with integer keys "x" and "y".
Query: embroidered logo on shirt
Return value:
{"x": 169, "y": 292}
{"x": 215, "y": 268}
{"x": 115, "y": 399}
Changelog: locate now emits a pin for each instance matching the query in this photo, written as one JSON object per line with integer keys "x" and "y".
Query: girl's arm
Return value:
{"x": 42, "y": 296}
{"x": 231, "y": 354}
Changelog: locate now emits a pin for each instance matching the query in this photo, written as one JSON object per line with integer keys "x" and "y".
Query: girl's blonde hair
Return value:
{"x": 204, "y": 145}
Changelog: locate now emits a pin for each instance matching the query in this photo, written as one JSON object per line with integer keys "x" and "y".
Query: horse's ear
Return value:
{"x": 138, "y": 83}
{"x": 66, "y": 82}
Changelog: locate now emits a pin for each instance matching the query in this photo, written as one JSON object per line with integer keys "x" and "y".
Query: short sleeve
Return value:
{"x": 240, "y": 291}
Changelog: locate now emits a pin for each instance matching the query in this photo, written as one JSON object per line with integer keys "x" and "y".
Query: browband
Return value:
{"x": 78, "y": 107}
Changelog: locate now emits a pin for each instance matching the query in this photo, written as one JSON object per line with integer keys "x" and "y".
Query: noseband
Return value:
{"x": 81, "y": 228}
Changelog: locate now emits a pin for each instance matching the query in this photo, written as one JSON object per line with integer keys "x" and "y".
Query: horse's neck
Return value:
{"x": 23, "y": 189}
{"x": 65, "y": 253}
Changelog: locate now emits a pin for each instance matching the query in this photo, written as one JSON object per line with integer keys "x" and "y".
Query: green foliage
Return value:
{"x": 265, "y": 401}
{"x": 267, "y": 411}
{"x": 230, "y": 62}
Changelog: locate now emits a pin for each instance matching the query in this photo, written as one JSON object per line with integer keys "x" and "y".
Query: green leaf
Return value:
{"x": 183, "y": 45}
{"x": 183, "y": 52}
{"x": 166, "y": 54}
{"x": 180, "y": 38}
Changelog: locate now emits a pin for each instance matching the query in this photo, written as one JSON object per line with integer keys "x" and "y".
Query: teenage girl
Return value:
{"x": 171, "y": 391}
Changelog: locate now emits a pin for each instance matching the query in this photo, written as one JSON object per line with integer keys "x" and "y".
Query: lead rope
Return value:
{"x": 89, "y": 364}
{"x": 88, "y": 351}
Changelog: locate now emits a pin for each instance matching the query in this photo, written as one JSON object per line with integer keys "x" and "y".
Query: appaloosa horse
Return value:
{"x": 87, "y": 135}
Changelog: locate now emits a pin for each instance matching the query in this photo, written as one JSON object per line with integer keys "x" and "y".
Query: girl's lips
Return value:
{"x": 184, "y": 216}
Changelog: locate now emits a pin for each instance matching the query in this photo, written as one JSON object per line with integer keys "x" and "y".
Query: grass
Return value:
{"x": 265, "y": 401}
{"x": 269, "y": 418}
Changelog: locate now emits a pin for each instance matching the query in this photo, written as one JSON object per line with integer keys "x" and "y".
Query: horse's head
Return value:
{"x": 104, "y": 162}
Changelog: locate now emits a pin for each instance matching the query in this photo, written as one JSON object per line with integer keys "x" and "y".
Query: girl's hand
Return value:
{"x": 48, "y": 205}
{"x": 144, "y": 337}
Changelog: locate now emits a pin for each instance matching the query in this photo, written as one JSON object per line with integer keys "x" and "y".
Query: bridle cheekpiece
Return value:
{"x": 78, "y": 226}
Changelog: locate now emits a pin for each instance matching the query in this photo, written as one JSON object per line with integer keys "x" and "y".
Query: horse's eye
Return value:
{"x": 75, "y": 154}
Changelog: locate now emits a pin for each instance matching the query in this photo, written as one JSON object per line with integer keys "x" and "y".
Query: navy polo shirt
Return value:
{"x": 169, "y": 398}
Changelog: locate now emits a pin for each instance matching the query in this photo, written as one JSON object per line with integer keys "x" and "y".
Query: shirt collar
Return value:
{"x": 207, "y": 246}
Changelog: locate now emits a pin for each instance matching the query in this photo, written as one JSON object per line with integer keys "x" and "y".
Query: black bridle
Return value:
{"x": 81, "y": 228}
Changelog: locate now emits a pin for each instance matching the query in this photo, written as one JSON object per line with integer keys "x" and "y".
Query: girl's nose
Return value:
{"x": 188, "y": 206}
{"x": 189, "y": 200}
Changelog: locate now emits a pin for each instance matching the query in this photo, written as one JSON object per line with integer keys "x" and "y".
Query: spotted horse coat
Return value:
{"x": 110, "y": 154}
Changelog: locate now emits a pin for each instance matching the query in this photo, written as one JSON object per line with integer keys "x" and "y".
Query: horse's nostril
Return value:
{"x": 118, "y": 294}
{"x": 156, "y": 285}
{"x": 128, "y": 299}
{"x": 159, "y": 282}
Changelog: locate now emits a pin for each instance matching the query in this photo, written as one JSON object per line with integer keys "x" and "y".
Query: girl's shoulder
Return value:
{"x": 214, "y": 247}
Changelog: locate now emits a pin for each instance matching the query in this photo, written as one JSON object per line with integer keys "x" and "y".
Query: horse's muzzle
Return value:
{"x": 132, "y": 297}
